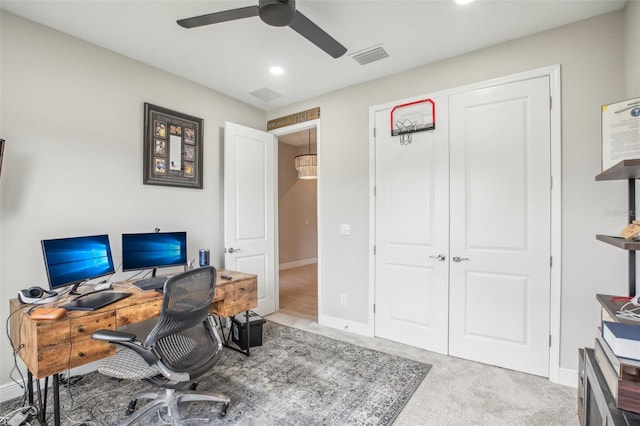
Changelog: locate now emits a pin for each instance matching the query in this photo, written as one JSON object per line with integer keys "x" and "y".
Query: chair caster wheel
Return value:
{"x": 132, "y": 406}
{"x": 223, "y": 410}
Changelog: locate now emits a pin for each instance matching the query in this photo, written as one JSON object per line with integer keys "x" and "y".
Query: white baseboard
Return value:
{"x": 10, "y": 391}
{"x": 567, "y": 377}
{"x": 344, "y": 325}
{"x": 13, "y": 390}
{"x": 297, "y": 263}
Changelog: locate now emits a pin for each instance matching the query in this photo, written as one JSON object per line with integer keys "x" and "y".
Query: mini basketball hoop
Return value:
{"x": 412, "y": 117}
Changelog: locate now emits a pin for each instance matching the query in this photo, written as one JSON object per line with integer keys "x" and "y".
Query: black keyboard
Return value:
{"x": 152, "y": 283}
{"x": 93, "y": 301}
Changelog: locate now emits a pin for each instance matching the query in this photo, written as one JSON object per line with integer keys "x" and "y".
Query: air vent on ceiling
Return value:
{"x": 266, "y": 94}
{"x": 370, "y": 55}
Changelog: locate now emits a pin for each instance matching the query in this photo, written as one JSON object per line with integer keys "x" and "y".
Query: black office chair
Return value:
{"x": 183, "y": 346}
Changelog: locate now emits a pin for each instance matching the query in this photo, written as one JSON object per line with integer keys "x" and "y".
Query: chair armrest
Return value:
{"x": 113, "y": 336}
{"x": 127, "y": 340}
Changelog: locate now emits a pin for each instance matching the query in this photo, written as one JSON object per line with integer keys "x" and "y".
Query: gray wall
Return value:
{"x": 72, "y": 115}
{"x": 591, "y": 55}
{"x": 632, "y": 48}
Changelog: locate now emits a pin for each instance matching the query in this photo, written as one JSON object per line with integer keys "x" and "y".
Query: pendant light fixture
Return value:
{"x": 306, "y": 164}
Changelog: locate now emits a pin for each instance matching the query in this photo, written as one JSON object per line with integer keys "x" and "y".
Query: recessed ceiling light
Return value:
{"x": 276, "y": 70}
{"x": 463, "y": 1}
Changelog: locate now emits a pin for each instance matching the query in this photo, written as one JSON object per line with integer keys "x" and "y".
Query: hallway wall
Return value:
{"x": 297, "y": 209}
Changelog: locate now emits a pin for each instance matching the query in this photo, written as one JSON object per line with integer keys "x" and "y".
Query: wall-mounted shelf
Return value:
{"x": 619, "y": 242}
{"x": 625, "y": 169}
{"x": 628, "y": 170}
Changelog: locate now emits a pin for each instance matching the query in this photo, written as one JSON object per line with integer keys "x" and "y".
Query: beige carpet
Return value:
{"x": 461, "y": 392}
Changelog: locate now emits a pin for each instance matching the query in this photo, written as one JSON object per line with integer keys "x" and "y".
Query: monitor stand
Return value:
{"x": 74, "y": 290}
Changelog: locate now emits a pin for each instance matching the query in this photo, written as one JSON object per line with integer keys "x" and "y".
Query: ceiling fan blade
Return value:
{"x": 316, "y": 35}
{"x": 217, "y": 17}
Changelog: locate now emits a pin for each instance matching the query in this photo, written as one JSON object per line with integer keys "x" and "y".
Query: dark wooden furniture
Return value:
{"x": 596, "y": 405}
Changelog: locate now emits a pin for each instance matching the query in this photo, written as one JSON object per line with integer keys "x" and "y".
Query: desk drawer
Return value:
{"x": 54, "y": 360}
{"x": 238, "y": 297}
{"x": 57, "y": 333}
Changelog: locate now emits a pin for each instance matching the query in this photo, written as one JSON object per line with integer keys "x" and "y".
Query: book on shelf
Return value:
{"x": 623, "y": 383}
{"x": 624, "y": 367}
{"x": 607, "y": 369}
{"x": 623, "y": 339}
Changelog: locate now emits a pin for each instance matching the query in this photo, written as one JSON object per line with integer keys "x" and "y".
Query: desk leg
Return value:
{"x": 29, "y": 385}
{"x": 248, "y": 324}
{"x": 42, "y": 402}
{"x": 42, "y": 409}
{"x": 56, "y": 400}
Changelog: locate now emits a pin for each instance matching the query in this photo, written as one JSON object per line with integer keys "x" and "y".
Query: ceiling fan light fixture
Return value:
{"x": 277, "y": 13}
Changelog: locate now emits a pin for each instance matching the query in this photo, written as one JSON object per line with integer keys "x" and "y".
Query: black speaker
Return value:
{"x": 36, "y": 295}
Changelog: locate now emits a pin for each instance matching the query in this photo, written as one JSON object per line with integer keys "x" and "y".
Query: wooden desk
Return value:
{"x": 50, "y": 347}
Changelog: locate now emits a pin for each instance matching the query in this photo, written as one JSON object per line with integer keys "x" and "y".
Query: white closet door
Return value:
{"x": 411, "y": 231}
{"x": 500, "y": 225}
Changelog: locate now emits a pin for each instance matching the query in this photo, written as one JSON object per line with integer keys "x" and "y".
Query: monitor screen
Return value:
{"x": 74, "y": 260}
{"x": 153, "y": 250}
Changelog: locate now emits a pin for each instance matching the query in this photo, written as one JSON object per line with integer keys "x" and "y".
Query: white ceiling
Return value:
{"x": 234, "y": 57}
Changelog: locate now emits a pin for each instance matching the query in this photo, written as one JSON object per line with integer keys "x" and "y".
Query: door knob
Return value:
{"x": 440, "y": 257}
{"x": 459, "y": 259}
{"x": 232, "y": 250}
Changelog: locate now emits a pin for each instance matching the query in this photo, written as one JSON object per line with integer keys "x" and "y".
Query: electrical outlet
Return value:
{"x": 343, "y": 299}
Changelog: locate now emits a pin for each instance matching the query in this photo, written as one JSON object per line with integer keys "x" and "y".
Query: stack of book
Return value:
{"x": 617, "y": 353}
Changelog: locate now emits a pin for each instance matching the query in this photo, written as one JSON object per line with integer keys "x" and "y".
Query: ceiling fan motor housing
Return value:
{"x": 278, "y": 13}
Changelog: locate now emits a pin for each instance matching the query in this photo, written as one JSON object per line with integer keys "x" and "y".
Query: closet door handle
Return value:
{"x": 440, "y": 257}
{"x": 459, "y": 259}
{"x": 232, "y": 250}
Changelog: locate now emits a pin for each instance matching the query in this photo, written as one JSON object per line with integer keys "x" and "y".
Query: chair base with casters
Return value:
{"x": 177, "y": 389}
{"x": 183, "y": 346}
{"x": 170, "y": 399}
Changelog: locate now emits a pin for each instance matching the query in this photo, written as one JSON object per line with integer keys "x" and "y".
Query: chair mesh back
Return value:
{"x": 183, "y": 338}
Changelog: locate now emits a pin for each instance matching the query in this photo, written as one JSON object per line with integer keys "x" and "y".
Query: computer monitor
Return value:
{"x": 153, "y": 250}
{"x": 72, "y": 261}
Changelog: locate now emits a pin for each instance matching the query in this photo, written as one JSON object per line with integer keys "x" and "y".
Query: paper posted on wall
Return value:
{"x": 620, "y": 132}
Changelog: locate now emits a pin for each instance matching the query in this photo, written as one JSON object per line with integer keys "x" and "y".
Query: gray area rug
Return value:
{"x": 295, "y": 378}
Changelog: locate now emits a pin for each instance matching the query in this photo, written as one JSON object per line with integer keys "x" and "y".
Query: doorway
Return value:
{"x": 297, "y": 228}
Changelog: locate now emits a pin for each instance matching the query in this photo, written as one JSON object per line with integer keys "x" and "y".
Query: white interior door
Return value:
{"x": 501, "y": 226}
{"x": 249, "y": 208}
{"x": 412, "y": 234}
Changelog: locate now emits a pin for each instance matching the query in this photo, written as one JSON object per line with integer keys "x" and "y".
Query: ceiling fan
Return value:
{"x": 277, "y": 13}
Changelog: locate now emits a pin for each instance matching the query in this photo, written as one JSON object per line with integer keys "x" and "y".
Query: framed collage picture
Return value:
{"x": 172, "y": 148}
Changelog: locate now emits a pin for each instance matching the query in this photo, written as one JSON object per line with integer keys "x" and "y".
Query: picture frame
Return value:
{"x": 173, "y": 148}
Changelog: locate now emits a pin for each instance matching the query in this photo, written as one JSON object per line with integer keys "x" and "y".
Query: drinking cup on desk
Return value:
{"x": 204, "y": 257}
